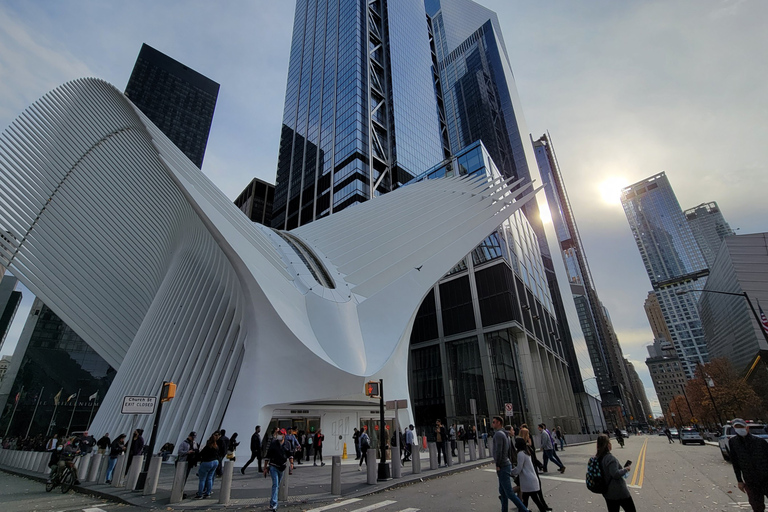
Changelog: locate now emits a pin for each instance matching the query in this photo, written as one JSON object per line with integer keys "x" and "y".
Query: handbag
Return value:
{"x": 231, "y": 455}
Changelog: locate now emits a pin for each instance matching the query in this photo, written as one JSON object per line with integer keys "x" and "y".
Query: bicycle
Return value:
{"x": 67, "y": 479}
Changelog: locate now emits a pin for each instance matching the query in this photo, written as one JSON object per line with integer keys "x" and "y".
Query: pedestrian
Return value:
{"x": 115, "y": 449}
{"x": 365, "y": 444}
{"x": 232, "y": 448}
{"x": 408, "y": 444}
{"x": 530, "y": 485}
{"x": 441, "y": 436}
{"x": 452, "y": 438}
{"x": 356, "y": 440}
{"x": 188, "y": 450}
{"x": 308, "y": 440}
{"x": 668, "y": 433}
{"x": 222, "y": 441}
{"x": 209, "y": 461}
{"x": 560, "y": 436}
{"x": 318, "y": 444}
{"x": 749, "y": 456}
{"x": 103, "y": 443}
{"x": 525, "y": 434}
{"x": 547, "y": 448}
{"x": 136, "y": 448}
{"x": 617, "y": 494}
{"x": 279, "y": 456}
{"x": 255, "y": 449}
{"x": 293, "y": 444}
{"x": 504, "y": 467}
{"x": 67, "y": 458}
{"x": 86, "y": 442}
{"x": 462, "y": 435}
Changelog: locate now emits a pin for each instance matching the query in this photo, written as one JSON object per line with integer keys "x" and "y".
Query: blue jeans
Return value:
{"x": 111, "y": 468}
{"x": 551, "y": 455}
{"x": 205, "y": 473}
{"x": 277, "y": 477}
{"x": 505, "y": 490}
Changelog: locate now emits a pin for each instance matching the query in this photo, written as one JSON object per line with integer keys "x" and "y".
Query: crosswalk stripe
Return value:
{"x": 375, "y": 506}
{"x": 335, "y": 505}
{"x": 410, "y": 510}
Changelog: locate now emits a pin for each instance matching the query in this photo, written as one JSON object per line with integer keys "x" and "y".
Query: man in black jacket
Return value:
{"x": 749, "y": 455}
{"x": 255, "y": 449}
{"x": 223, "y": 444}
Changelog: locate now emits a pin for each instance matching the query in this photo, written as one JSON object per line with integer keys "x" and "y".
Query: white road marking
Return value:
{"x": 94, "y": 509}
{"x": 335, "y": 505}
{"x": 410, "y": 510}
{"x": 375, "y": 506}
{"x": 564, "y": 479}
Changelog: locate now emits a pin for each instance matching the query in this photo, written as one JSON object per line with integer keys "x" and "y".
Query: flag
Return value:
{"x": 763, "y": 319}
{"x": 57, "y": 397}
{"x": 18, "y": 395}
{"x": 94, "y": 396}
{"x": 70, "y": 397}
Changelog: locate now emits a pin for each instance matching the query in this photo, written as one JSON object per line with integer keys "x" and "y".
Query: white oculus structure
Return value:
{"x": 155, "y": 268}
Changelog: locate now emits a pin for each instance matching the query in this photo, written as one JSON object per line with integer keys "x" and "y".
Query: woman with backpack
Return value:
{"x": 365, "y": 444}
{"x": 530, "y": 485}
{"x": 616, "y": 493}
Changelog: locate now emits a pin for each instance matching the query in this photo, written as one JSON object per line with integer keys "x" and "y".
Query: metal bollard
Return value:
{"x": 153, "y": 475}
{"x": 448, "y": 458}
{"x": 480, "y": 449}
{"x": 133, "y": 472}
{"x": 372, "y": 467}
{"x": 396, "y": 464}
{"x": 472, "y": 452}
{"x": 336, "y": 475}
{"x": 415, "y": 459}
{"x": 93, "y": 471}
{"x": 117, "y": 475}
{"x": 226, "y": 482}
{"x": 179, "y": 479}
{"x": 282, "y": 491}
{"x": 432, "y": 455}
{"x": 462, "y": 453}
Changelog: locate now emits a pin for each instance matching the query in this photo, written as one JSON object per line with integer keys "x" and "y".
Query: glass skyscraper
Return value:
{"x": 709, "y": 228}
{"x": 673, "y": 261}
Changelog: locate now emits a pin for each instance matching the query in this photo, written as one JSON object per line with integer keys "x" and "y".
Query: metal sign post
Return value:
{"x": 473, "y": 410}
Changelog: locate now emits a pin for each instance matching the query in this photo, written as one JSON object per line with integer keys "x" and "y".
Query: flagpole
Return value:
{"x": 93, "y": 405}
{"x": 56, "y": 400}
{"x": 14, "y": 412}
{"x": 35, "y": 411}
{"x": 73, "y": 411}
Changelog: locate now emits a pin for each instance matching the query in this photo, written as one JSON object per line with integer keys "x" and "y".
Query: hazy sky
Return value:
{"x": 626, "y": 89}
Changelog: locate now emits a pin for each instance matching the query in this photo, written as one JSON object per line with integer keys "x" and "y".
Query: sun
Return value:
{"x": 610, "y": 190}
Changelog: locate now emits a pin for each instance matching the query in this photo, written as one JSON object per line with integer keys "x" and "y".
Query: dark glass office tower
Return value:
{"x": 360, "y": 114}
{"x": 256, "y": 201}
{"x": 179, "y": 100}
{"x": 673, "y": 260}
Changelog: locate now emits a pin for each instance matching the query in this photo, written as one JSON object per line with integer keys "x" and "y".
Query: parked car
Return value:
{"x": 624, "y": 434}
{"x": 675, "y": 433}
{"x": 756, "y": 429}
{"x": 691, "y": 435}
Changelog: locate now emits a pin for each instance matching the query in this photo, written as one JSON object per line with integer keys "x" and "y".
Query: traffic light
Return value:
{"x": 169, "y": 391}
{"x": 372, "y": 389}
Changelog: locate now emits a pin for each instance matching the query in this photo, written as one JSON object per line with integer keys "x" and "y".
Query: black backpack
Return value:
{"x": 595, "y": 478}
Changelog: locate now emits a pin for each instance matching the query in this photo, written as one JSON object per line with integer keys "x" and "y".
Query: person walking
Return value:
{"x": 530, "y": 485}
{"x": 452, "y": 438}
{"x": 617, "y": 494}
{"x": 407, "y": 449}
{"x": 441, "y": 436}
{"x": 115, "y": 449}
{"x": 231, "y": 449}
{"x": 504, "y": 467}
{"x": 279, "y": 456}
{"x": 318, "y": 444}
{"x": 525, "y": 433}
{"x": 548, "y": 449}
{"x": 307, "y": 442}
{"x": 365, "y": 444}
{"x": 668, "y": 434}
{"x": 293, "y": 444}
{"x": 749, "y": 455}
{"x": 560, "y": 437}
{"x": 222, "y": 441}
{"x": 209, "y": 461}
{"x": 103, "y": 444}
{"x": 255, "y": 450}
{"x": 356, "y": 440}
{"x": 188, "y": 450}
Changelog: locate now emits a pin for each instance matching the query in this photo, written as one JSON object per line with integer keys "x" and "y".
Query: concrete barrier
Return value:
{"x": 432, "y": 446}
{"x": 153, "y": 475}
{"x": 462, "y": 454}
{"x": 103, "y": 470}
{"x": 481, "y": 449}
{"x": 372, "y": 469}
{"x": 282, "y": 491}
{"x": 85, "y": 465}
{"x": 133, "y": 472}
{"x": 336, "y": 475}
{"x": 93, "y": 471}
{"x": 179, "y": 479}
{"x": 226, "y": 482}
{"x": 448, "y": 457}
{"x": 415, "y": 459}
{"x": 396, "y": 464}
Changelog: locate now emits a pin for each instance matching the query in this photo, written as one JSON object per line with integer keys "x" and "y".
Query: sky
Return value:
{"x": 625, "y": 89}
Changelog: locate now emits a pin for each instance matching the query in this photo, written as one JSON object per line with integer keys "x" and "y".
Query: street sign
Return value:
{"x": 472, "y": 406}
{"x": 508, "y": 410}
{"x": 396, "y": 404}
{"x": 138, "y": 405}
{"x": 694, "y": 420}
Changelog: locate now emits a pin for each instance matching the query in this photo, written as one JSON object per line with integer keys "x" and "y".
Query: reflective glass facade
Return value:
{"x": 178, "y": 100}
{"x": 256, "y": 201}
{"x": 709, "y": 228}
{"x": 360, "y": 114}
{"x": 672, "y": 259}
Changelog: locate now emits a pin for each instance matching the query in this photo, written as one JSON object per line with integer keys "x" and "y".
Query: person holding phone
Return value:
{"x": 617, "y": 496}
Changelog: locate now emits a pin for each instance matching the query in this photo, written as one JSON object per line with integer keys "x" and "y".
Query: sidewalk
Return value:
{"x": 308, "y": 484}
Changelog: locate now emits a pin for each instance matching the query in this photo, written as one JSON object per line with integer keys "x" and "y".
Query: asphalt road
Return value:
{"x": 19, "y": 494}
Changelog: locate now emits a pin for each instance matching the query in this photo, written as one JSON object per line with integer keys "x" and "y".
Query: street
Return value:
{"x": 24, "y": 495}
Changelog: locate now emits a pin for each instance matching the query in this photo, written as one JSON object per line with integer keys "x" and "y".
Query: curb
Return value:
{"x": 76, "y": 488}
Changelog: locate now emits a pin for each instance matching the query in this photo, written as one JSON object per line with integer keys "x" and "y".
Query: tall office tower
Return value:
{"x": 256, "y": 201}
{"x": 591, "y": 317}
{"x": 622, "y": 387}
{"x": 50, "y": 357}
{"x": 360, "y": 114}
{"x": 10, "y": 299}
{"x": 741, "y": 266}
{"x": 673, "y": 261}
{"x": 656, "y": 318}
{"x": 709, "y": 228}
{"x": 666, "y": 372}
{"x": 177, "y": 99}
{"x": 642, "y": 406}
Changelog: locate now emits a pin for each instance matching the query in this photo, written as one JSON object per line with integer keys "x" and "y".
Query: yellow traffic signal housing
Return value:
{"x": 372, "y": 389}
{"x": 169, "y": 391}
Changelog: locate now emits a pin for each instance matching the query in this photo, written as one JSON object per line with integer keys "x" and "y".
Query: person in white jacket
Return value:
{"x": 530, "y": 485}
